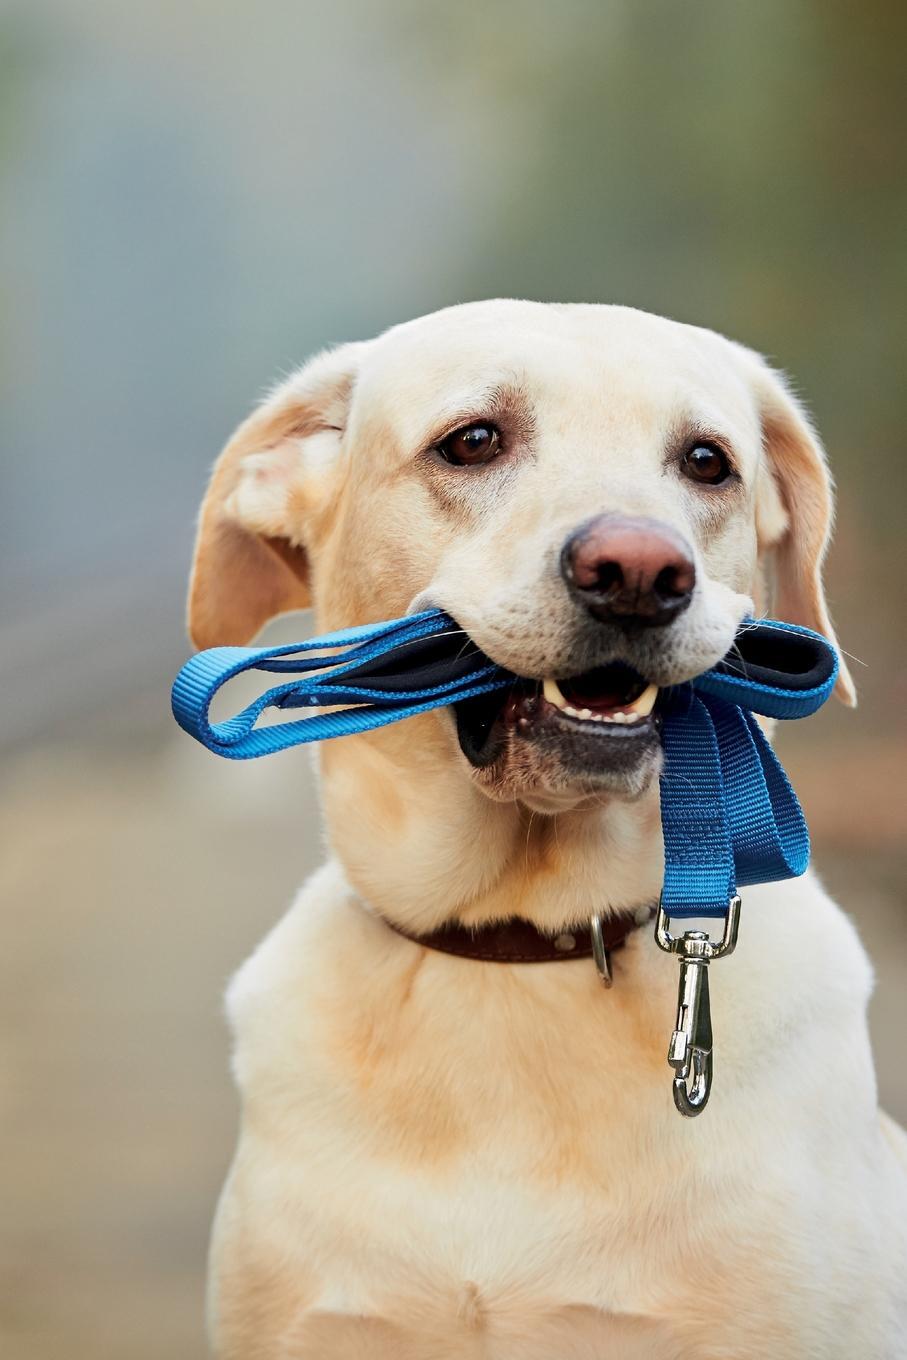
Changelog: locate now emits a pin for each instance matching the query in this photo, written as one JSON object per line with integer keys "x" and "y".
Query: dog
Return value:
{"x": 441, "y": 1157}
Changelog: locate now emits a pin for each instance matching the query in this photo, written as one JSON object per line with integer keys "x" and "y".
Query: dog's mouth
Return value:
{"x": 608, "y": 694}
{"x": 603, "y": 718}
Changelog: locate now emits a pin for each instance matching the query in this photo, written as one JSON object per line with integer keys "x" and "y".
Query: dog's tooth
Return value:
{"x": 572, "y": 711}
{"x": 585, "y": 713}
{"x": 645, "y": 703}
{"x": 552, "y": 693}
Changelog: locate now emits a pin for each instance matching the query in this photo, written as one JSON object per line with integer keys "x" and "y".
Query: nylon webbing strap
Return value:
{"x": 358, "y": 676}
{"x": 729, "y": 814}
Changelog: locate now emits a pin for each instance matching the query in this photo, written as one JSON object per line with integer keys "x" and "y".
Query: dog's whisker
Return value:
{"x": 526, "y": 846}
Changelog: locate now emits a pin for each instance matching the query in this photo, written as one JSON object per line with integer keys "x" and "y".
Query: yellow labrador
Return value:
{"x": 446, "y": 1158}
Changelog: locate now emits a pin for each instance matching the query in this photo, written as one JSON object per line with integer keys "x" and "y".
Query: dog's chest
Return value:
{"x": 416, "y": 1127}
{"x": 483, "y": 1125}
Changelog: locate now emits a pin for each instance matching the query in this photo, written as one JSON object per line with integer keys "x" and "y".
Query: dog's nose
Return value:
{"x": 634, "y": 572}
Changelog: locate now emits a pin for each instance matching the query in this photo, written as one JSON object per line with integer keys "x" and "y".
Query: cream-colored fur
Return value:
{"x": 441, "y": 1158}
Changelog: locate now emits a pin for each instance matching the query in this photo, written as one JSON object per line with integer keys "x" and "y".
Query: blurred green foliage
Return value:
{"x": 195, "y": 196}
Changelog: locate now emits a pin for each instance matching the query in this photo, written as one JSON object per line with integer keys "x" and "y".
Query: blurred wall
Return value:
{"x": 195, "y": 195}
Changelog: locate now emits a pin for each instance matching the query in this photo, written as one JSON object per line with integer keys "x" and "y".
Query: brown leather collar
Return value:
{"x": 519, "y": 941}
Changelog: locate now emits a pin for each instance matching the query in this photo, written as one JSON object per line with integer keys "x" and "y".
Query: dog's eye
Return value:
{"x": 473, "y": 444}
{"x": 706, "y": 463}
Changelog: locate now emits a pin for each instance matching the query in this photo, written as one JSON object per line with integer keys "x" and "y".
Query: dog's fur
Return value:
{"x": 443, "y": 1158}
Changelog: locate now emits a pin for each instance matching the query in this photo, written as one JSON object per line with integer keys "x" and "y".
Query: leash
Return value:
{"x": 730, "y": 817}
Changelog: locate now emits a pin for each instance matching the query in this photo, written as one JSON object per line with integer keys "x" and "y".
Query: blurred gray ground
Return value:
{"x": 138, "y": 879}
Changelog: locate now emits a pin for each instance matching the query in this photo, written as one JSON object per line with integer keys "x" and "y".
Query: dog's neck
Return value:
{"x": 424, "y": 846}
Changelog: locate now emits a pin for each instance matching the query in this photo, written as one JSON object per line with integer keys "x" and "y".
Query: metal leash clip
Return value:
{"x": 690, "y": 1051}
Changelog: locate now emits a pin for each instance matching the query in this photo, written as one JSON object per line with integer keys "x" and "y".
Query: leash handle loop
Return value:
{"x": 322, "y": 686}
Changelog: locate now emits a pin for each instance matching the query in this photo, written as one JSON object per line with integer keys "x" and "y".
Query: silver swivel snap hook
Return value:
{"x": 690, "y": 1050}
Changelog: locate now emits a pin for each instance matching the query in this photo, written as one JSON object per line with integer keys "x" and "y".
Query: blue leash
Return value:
{"x": 729, "y": 814}
{"x": 239, "y": 739}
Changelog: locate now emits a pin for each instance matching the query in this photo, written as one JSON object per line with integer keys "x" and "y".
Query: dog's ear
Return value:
{"x": 794, "y": 510}
{"x": 270, "y": 488}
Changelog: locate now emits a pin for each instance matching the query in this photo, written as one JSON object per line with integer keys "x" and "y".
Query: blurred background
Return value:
{"x": 195, "y": 194}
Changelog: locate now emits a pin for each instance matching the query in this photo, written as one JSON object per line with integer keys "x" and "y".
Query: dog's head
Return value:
{"x": 592, "y": 492}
